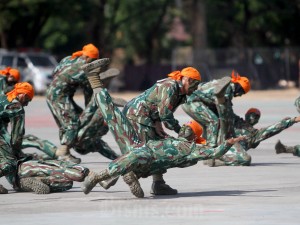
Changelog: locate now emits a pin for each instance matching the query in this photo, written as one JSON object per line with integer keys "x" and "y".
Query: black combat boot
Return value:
{"x": 281, "y": 148}
{"x": 3, "y": 190}
{"x": 159, "y": 186}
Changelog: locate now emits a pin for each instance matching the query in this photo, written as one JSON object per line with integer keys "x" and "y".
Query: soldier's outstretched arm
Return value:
{"x": 203, "y": 152}
{"x": 274, "y": 129}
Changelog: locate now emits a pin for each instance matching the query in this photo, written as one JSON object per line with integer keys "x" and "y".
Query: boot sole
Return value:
{"x": 134, "y": 185}
{"x": 31, "y": 184}
{"x": 225, "y": 81}
{"x": 95, "y": 64}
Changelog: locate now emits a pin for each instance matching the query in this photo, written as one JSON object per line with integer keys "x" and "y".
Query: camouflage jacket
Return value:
{"x": 4, "y": 87}
{"x": 67, "y": 78}
{"x": 158, "y": 103}
{"x": 255, "y": 136}
{"x": 14, "y": 112}
{"x": 3, "y": 84}
{"x": 205, "y": 94}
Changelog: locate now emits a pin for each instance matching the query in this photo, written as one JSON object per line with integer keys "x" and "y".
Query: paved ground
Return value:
{"x": 265, "y": 193}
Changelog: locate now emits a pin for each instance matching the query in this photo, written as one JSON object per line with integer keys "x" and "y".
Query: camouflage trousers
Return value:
{"x": 236, "y": 156}
{"x": 83, "y": 145}
{"x": 297, "y": 150}
{"x": 206, "y": 117}
{"x": 66, "y": 116}
{"x": 84, "y": 135}
{"x": 217, "y": 126}
{"x": 297, "y": 104}
{"x": 47, "y": 147}
{"x": 8, "y": 161}
{"x": 154, "y": 156}
{"x": 59, "y": 175}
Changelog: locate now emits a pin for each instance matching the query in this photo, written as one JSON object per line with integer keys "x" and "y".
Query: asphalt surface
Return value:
{"x": 267, "y": 192}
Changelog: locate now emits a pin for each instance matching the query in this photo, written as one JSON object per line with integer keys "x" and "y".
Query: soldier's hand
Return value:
{"x": 235, "y": 140}
{"x": 159, "y": 130}
{"x": 297, "y": 119}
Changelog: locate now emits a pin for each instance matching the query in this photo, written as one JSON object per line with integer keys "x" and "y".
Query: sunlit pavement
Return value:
{"x": 267, "y": 192}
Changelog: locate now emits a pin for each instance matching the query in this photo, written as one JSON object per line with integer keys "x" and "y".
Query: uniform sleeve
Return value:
{"x": 17, "y": 132}
{"x": 16, "y": 114}
{"x": 276, "y": 128}
{"x": 165, "y": 107}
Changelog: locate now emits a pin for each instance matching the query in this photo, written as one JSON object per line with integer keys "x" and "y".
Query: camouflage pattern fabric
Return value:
{"x": 3, "y": 84}
{"x": 10, "y": 144}
{"x": 297, "y": 104}
{"x": 154, "y": 156}
{"x": 88, "y": 139}
{"x": 59, "y": 175}
{"x": 78, "y": 128}
{"x": 158, "y": 103}
{"x": 67, "y": 78}
{"x": 92, "y": 127}
{"x": 297, "y": 150}
{"x": 201, "y": 106}
{"x": 31, "y": 141}
{"x": 238, "y": 155}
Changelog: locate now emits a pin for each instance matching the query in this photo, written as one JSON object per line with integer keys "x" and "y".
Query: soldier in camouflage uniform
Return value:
{"x": 88, "y": 139}
{"x": 281, "y": 148}
{"x": 54, "y": 175}
{"x": 141, "y": 159}
{"x": 8, "y": 78}
{"x": 204, "y": 106}
{"x": 67, "y": 78}
{"x": 11, "y": 108}
{"x": 155, "y": 106}
{"x": 237, "y": 155}
{"x": 24, "y": 174}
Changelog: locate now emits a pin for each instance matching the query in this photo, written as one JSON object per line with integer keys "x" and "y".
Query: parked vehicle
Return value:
{"x": 35, "y": 67}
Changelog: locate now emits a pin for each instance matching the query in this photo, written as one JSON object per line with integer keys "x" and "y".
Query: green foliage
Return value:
{"x": 141, "y": 27}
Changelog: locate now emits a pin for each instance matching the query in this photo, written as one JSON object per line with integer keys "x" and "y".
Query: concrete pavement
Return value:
{"x": 267, "y": 192}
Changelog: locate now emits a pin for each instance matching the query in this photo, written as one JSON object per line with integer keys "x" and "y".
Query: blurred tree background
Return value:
{"x": 147, "y": 31}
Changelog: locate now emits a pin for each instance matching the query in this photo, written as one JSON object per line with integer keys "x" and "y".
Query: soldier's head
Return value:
{"x": 89, "y": 52}
{"x": 241, "y": 84}
{"x": 23, "y": 92}
{"x": 297, "y": 104}
{"x": 12, "y": 75}
{"x": 192, "y": 131}
{"x": 190, "y": 78}
{"x": 252, "y": 116}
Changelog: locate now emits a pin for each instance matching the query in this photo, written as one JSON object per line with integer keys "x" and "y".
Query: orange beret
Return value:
{"x": 88, "y": 50}
{"x": 198, "y": 130}
{"x": 190, "y": 72}
{"x": 243, "y": 81}
{"x": 20, "y": 88}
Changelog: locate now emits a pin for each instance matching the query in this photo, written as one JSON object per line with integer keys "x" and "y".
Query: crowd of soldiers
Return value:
{"x": 215, "y": 134}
